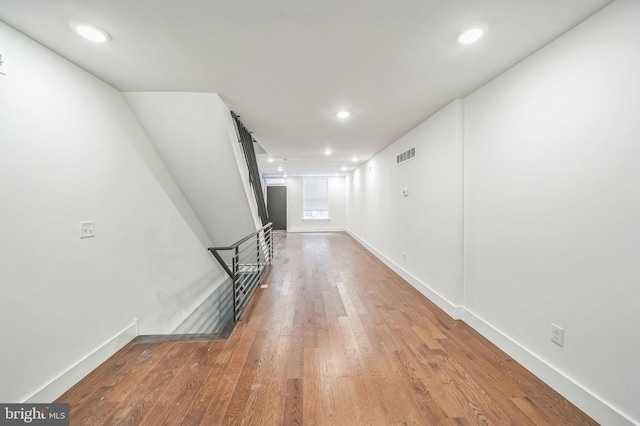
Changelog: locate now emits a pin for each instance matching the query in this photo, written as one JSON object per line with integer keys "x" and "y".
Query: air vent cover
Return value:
{"x": 405, "y": 156}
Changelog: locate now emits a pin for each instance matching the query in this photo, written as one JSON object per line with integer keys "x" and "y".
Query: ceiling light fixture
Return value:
{"x": 354, "y": 159}
{"x": 343, "y": 114}
{"x": 471, "y": 35}
{"x": 327, "y": 152}
{"x": 279, "y": 169}
{"x": 90, "y": 32}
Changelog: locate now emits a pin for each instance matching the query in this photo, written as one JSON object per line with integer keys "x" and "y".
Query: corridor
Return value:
{"x": 335, "y": 338}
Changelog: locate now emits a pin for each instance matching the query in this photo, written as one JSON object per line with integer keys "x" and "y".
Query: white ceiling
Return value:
{"x": 287, "y": 66}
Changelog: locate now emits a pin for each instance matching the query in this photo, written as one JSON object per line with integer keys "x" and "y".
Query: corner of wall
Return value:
{"x": 200, "y": 300}
{"x": 81, "y": 368}
{"x": 451, "y": 309}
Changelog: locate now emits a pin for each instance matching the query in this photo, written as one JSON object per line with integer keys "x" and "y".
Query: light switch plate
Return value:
{"x": 87, "y": 229}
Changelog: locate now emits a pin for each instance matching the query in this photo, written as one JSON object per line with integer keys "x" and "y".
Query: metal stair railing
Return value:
{"x": 246, "y": 141}
{"x": 246, "y": 262}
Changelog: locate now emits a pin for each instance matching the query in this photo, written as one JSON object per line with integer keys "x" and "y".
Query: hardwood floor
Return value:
{"x": 336, "y": 339}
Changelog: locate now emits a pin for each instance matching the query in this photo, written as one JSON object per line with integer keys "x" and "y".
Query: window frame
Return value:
{"x": 315, "y": 212}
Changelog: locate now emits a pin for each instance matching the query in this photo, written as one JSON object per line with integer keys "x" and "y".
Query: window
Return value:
{"x": 315, "y": 198}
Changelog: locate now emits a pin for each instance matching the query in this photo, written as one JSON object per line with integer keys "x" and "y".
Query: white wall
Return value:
{"x": 196, "y": 138}
{"x": 553, "y": 205}
{"x": 426, "y": 226}
{"x": 551, "y": 212}
{"x": 337, "y": 200}
{"x": 72, "y": 151}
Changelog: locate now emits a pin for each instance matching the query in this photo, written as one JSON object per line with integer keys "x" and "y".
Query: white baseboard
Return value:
{"x": 454, "y": 311}
{"x": 72, "y": 375}
{"x": 84, "y": 366}
{"x": 317, "y": 229}
{"x": 588, "y": 401}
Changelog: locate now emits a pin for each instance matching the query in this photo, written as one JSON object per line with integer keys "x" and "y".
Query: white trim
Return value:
{"x": 454, "y": 311}
{"x": 72, "y": 375}
{"x": 317, "y": 229}
{"x": 588, "y": 401}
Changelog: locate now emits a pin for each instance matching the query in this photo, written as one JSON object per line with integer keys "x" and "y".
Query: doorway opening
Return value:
{"x": 277, "y": 206}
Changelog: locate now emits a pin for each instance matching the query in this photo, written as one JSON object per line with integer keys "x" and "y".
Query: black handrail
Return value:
{"x": 246, "y": 141}
{"x": 247, "y": 266}
{"x": 232, "y": 246}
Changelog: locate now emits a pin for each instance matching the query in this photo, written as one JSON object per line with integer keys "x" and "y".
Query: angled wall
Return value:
{"x": 73, "y": 151}
{"x": 195, "y": 136}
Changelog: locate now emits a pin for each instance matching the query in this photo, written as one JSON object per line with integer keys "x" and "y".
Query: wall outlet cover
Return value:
{"x": 87, "y": 229}
{"x": 557, "y": 335}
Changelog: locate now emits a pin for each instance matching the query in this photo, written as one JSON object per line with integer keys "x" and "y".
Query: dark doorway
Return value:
{"x": 277, "y": 206}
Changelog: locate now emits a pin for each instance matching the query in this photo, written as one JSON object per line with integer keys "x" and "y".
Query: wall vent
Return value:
{"x": 405, "y": 156}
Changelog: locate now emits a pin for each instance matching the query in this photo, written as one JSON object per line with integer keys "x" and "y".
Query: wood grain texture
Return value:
{"x": 337, "y": 338}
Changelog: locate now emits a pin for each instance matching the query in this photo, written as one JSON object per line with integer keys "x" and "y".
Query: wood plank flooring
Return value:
{"x": 336, "y": 339}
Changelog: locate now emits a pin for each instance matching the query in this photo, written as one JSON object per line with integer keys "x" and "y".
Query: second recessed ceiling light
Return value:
{"x": 472, "y": 34}
{"x": 90, "y": 32}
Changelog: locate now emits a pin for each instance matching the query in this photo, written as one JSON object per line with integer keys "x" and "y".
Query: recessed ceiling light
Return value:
{"x": 285, "y": 175}
{"x": 90, "y": 32}
{"x": 343, "y": 114}
{"x": 343, "y": 168}
{"x": 270, "y": 160}
{"x": 471, "y": 35}
{"x": 327, "y": 152}
{"x": 279, "y": 169}
{"x": 354, "y": 159}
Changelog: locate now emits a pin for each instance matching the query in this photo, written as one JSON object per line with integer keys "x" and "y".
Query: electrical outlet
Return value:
{"x": 87, "y": 229}
{"x": 404, "y": 257}
{"x": 557, "y": 335}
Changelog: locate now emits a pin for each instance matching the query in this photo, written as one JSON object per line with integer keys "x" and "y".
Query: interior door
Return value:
{"x": 277, "y": 206}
